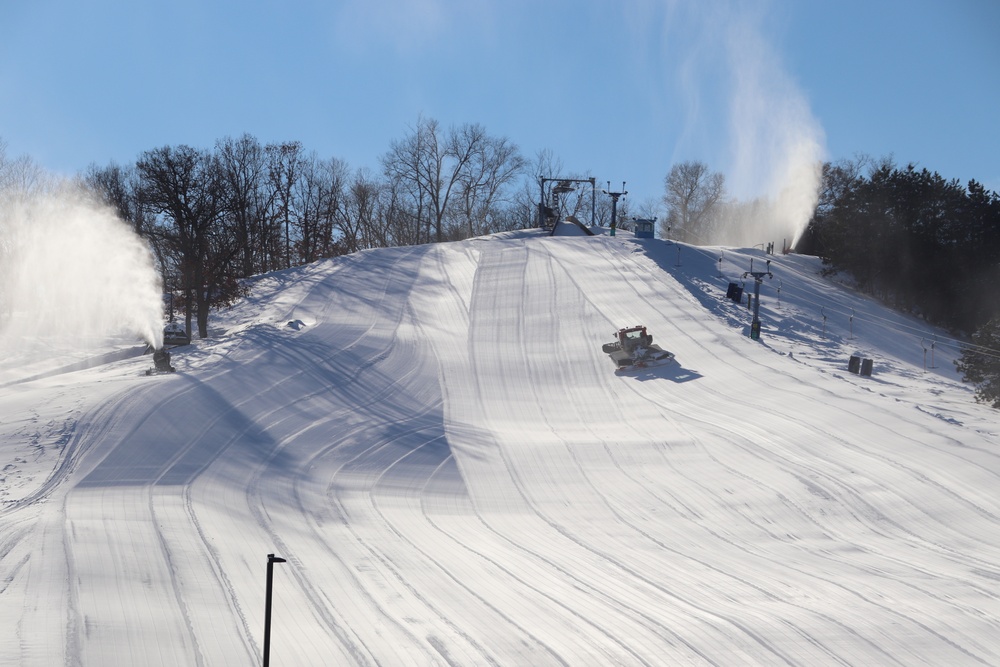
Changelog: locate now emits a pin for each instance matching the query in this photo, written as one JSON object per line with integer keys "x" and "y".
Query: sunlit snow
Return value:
{"x": 433, "y": 439}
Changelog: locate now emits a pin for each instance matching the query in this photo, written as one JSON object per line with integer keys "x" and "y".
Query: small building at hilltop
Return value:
{"x": 643, "y": 227}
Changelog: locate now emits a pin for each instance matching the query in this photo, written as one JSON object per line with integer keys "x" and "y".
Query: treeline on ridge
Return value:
{"x": 919, "y": 242}
{"x": 214, "y": 217}
{"x": 911, "y": 238}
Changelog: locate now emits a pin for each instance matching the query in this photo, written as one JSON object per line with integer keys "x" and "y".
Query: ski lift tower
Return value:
{"x": 758, "y": 277}
{"x": 563, "y": 186}
{"x": 614, "y": 204}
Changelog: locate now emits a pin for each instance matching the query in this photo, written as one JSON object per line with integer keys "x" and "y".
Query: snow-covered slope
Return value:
{"x": 433, "y": 439}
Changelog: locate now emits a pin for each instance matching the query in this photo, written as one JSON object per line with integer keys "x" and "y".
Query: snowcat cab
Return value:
{"x": 174, "y": 335}
{"x": 633, "y": 347}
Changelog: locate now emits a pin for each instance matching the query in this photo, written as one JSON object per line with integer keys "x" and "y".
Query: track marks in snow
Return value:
{"x": 727, "y": 408}
{"x": 456, "y": 476}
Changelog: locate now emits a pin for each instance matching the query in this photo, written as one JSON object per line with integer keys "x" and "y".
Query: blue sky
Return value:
{"x": 617, "y": 89}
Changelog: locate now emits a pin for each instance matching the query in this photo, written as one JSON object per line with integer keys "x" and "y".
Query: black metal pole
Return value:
{"x": 614, "y": 211}
{"x": 758, "y": 277}
{"x": 593, "y": 201}
{"x": 541, "y": 203}
{"x": 756, "y": 299}
{"x": 271, "y": 560}
{"x": 614, "y": 204}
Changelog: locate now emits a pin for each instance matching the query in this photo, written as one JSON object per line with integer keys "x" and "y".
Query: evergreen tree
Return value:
{"x": 980, "y": 363}
{"x": 913, "y": 239}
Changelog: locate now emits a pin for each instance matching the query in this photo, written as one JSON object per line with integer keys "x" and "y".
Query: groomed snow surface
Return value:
{"x": 433, "y": 439}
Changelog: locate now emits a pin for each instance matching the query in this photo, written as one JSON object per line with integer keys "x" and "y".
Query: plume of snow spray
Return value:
{"x": 776, "y": 146}
{"x": 72, "y": 275}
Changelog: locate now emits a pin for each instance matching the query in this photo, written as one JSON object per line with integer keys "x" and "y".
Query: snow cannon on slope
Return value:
{"x": 634, "y": 348}
{"x": 161, "y": 363}
{"x": 174, "y": 335}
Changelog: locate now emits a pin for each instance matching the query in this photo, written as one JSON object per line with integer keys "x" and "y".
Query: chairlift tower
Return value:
{"x": 614, "y": 204}
{"x": 758, "y": 277}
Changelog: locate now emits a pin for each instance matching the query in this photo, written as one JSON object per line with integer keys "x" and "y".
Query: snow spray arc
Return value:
{"x": 72, "y": 274}
{"x": 742, "y": 102}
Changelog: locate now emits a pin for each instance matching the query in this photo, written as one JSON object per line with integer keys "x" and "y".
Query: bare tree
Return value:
{"x": 450, "y": 179}
{"x": 284, "y": 166}
{"x": 311, "y": 208}
{"x": 648, "y": 209}
{"x": 249, "y": 198}
{"x": 400, "y": 221}
{"x": 182, "y": 185}
{"x": 19, "y": 175}
{"x": 494, "y": 162}
{"x": 406, "y": 166}
{"x": 693, "y": 195}
{"x": 118, "y": 187}
{"x": 336, "y": 174}
{"x": 360, "y": 225}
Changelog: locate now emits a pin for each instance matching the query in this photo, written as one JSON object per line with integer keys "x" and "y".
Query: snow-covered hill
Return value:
{"x": 434, "y": 441}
